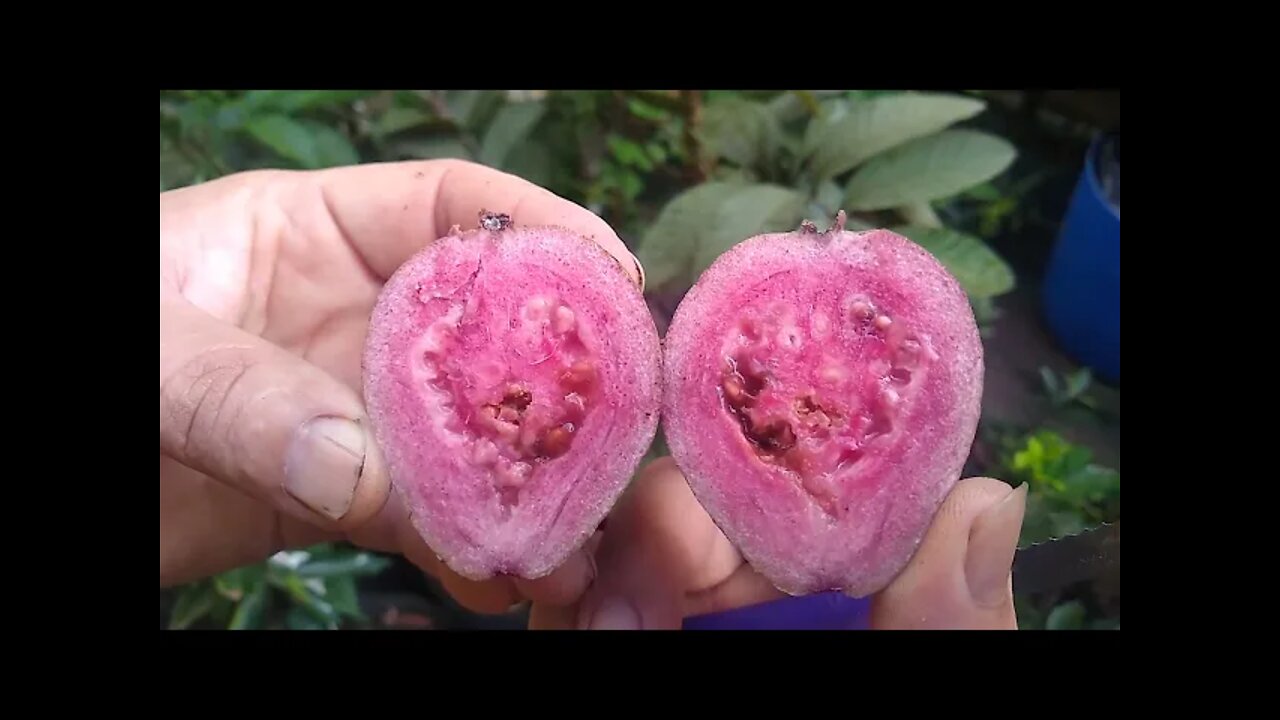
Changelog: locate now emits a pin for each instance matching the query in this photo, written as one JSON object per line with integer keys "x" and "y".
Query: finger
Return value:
{"x": 565, "y": 585}
{"x": 660, "y": 544}
{"x": 960, "y": 578}
{"x": 264, "y": 420}
{"x": 392, "y": 210}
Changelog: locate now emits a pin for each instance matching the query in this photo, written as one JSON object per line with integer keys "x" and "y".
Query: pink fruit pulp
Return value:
{"x": 822, "y": 393}
{"x": 512, "y": 377}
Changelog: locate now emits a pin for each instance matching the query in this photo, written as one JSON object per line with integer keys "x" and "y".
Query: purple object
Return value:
{"x": 821, "y": 611}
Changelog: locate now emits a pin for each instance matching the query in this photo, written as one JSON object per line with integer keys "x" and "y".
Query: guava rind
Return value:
{"x": 785, "y": 301}
{"x": 473, "y": 312}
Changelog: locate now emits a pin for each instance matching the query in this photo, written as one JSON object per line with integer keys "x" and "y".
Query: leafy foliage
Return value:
{"x": 313, "y": 589}
{"x": 803, "y": 156}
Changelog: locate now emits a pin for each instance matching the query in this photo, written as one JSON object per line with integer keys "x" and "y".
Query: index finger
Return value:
{"x": 389, "y": 211}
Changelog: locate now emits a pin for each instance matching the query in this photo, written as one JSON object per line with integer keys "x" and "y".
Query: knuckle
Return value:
{"x": 197, "y": 400}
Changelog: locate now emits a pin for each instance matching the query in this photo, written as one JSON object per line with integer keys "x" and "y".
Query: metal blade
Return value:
{"x": 1055, "y": 564}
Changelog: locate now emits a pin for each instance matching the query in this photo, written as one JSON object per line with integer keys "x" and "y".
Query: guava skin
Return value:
{"x": 513, "y": 382}
{"x": 822, "y": 392}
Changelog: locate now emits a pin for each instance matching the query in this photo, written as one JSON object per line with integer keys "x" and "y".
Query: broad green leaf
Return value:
{"x": 473, "y": 109}
{"x": 341, "y": 594}
{"x": 333, "y": 149}
{"x": 256, "y": 101}
{"x": 194, "y": 602}
{"x": 287, "y": 137}
{"x": 874, "y": 125}
{"x": 796, "y": 104}
{"x": 752, "y": 210}
{"x": 701, "y": 223}
{"x": 629, "y": 152}
{"x": 740, "y": 131}
{"x": 929, "y": 168}
{"x": 430, "y": 149}
{"x": 250, "y": 611}
{"x": 533, "y": 162}
{"x": 669, "y": 246}
{"x": 361, "y": 563}
{"x": 298, "y": 100}
{"x": 829, "y": 196}
{"x": 981, "y": 272}
{"x": 398, "y": 119}
{"x": 510, "y": 127}
{"x": 299, "y": 619}
{"x": 1067, "y": 616}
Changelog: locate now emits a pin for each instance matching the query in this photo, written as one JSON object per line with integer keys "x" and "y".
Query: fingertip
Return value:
{"x": 565, "y": 585}
{"x": 373, "y": 488}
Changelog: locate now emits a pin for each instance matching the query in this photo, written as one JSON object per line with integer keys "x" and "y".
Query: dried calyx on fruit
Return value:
{"x": 512, "y": 376}
{"x": 822, "y": 392}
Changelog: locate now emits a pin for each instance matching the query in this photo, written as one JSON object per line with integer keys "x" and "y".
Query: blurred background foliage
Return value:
{"x": 681, "y": 175}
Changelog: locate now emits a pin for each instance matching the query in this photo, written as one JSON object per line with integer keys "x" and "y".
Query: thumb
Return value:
{"x": 265, "y": 421}
{"x": 961, "y": 575}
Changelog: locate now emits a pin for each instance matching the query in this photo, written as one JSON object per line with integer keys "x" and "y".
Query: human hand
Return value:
{"x": 267, "y": 281}
{"x": 662, "y": 559}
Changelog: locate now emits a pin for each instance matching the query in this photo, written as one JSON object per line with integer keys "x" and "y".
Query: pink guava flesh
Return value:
{"x": 822, "y": 392}
{"x": 512, "y": 376}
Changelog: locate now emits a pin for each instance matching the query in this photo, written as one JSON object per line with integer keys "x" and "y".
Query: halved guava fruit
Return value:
{"x": 822, "y": 393}
{"x": 512, "y": 377}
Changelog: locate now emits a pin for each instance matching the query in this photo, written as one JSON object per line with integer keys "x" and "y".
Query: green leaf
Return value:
{"x": 290, "y": 101}
{"x": 752, "y": 210}
{"x": 234, "y": 584}
{"x": 306, "y": 594}
{"x": 874, "y": 125}
{"x": 1067, "y": 616}
{"x": 628, "y": 152}
{"x": 362, "y": 563}
{"x": 473, "y": 109}
{"x": 287, "y": 137}
{"x": 981, "y": 272}
{"x": 533, "y": 162}
{"x": 398, "y": 119}
{"x": 510, "y": 127}
{"x": 430, "y": 149}
{"x": 299, "y": 100}
{"x": 668, "y": 247}
{"x": 249, "y": 613}
{"x": 299, "y": 619}
{"x": 741, "y": 131}
{"x": 341, "y": 594}
{"x": 929, "y": 168}
{"x": 698, "y": 225}
{"x": 1078, "y": 382}
{"x": 333, "y": 149}
{"x": 642, "y": 109}
{"x": 986, "y": 192}
{"x": 194, "y": 602}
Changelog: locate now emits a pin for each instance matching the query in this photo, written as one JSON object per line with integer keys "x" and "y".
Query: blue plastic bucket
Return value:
{"x": 1082, "y": 284}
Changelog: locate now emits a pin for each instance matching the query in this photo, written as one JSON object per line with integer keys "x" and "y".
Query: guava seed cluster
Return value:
{"x": 509, "y": 416}
{"x": 817, "y": 394}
